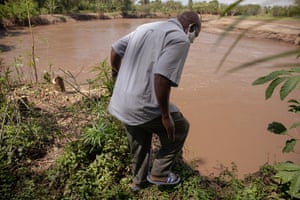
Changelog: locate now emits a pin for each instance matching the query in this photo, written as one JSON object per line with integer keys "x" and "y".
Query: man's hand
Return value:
{"x": 115, "y": 61}
{"x": 163, "y": 90}
{"x": 169, "y": 126}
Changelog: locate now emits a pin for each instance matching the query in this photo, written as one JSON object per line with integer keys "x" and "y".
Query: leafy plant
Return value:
{"x": 24, "y": 136}
{"x": 103, "y": 80}
{"x": 51, "y": 5}
{"x": 17, "y": 10}
{"x": 289, "y": 79}
{"x": 289, "y": 173}
{"x": 94, "y": 165}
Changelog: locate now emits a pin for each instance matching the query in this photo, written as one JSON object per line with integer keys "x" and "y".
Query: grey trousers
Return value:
{"x": 140, "y": 137}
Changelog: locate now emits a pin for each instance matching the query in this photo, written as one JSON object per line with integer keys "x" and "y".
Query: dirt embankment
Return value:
{"x": 282, "y": 30}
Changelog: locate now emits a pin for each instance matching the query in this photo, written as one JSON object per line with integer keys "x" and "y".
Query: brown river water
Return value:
{"x": 228, "y": 115}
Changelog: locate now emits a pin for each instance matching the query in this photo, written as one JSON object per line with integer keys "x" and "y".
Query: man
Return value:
{"x": 146, "y": 64}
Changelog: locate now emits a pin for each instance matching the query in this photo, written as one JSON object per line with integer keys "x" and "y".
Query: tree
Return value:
{"x": 144, "y": 2}
{"x": 17, "y": 10}
{"x": 40, "y": 3}
{"x": 51, "y": 6}
{"x": 68, "y": 5}
{"x": 213, "y": 7}
{"x": 190, "y": 4}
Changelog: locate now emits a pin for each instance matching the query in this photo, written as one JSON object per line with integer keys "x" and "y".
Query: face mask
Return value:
{"x": 191, "y": 35}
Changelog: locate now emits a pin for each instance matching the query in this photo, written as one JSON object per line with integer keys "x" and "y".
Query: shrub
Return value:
{"x": 17, "y": 10}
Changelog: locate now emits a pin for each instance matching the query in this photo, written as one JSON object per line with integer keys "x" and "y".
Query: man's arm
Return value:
{"x": 115, "y": 61}
{"x": 163, "y": 91}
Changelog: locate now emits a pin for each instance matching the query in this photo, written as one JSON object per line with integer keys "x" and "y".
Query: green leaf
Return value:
{"x": 289, "y": 146}
{"x": 230, "y": 49}
{"x": 289, "y": 86}
{"x": 289, "y": 172}
{"x": 286, "y": 171}
{"x": 294, "y": 108}
{"x": 295, "y": 125}
{"x": 230, "y": 28}
{"x": 295, "y": 186}
{"x": 277, "y": 128}
{"x": 264, "y": 59}
{"x": 284, "y": 176}
{"x": 287, "y": 166}
{"x": 296, "y": 69}
{"x": 293, "y": 101}
{"x": 297, "y": 195}
{"x": 272, "y": 86}
{"x": 231, "y": 6}
{"x": 269, "y": 77}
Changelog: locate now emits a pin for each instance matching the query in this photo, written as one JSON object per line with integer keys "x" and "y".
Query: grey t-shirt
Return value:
{"x": 153, "y": 48}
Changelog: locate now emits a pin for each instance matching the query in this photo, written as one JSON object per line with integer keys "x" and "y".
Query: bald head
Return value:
{"x": 189, "y": 18}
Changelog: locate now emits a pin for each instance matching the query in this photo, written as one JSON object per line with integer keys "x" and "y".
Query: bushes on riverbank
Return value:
{"x": 18, "y": 12}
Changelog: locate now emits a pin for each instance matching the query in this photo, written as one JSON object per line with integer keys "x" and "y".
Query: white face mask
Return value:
{"x": 191, "y": 35}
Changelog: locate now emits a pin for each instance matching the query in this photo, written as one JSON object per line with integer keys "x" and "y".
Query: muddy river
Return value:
{"x": 228, "y": 115}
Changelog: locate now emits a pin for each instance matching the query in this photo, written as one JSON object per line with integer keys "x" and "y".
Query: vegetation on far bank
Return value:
{"x": 16, "y": 12}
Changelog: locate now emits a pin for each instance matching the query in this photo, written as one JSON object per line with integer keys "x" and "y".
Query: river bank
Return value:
{"x": 281, "y": 30}
{"x": 284, "y": 30}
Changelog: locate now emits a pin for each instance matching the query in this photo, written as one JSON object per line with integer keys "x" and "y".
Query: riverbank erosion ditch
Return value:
{"x": 284, "y": 30}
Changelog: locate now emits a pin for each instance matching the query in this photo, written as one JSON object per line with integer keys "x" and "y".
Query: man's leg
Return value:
{"x": 140, "y": 145}
{"x": 164, "y": 159}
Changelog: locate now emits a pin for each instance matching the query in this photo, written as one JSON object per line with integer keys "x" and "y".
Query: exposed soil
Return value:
{"x": 55, "y": 106}
{"x": 282, "y": 30}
